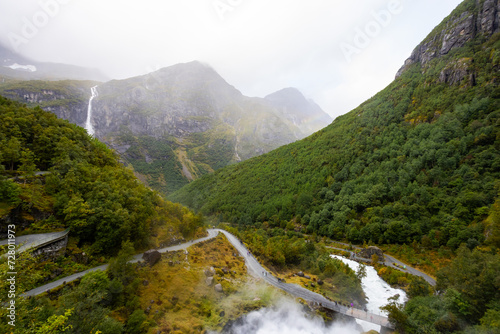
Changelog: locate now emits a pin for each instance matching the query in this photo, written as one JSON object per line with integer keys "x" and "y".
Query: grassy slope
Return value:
{"x": 184, "y": 303}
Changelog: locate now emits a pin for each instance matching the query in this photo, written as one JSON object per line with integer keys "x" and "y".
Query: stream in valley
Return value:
{"x": 377, "y": 291}
{"x": 289, "y": 317}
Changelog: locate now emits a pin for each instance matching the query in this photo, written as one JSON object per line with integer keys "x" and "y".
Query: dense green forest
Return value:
{"x": 85, "y": 307}
{"x": 53, "y": 175}
{"x": 418, "y": 161}
{"x": 466, "y": 299}
{"x": 418, "y": 164}
{"x": 83, "y": 185}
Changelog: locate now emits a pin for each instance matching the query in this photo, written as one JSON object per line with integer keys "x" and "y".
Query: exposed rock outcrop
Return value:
{"x": 210, "y": 272}
{"x": 470, "y": 19}
{"x": 367, "y": 253}
{"x": 151, "y": 257}
{"x": 456, "y": 72}
{"x": 193, "y": 98}
{"x": 70, "y": 103}
{"x": 189, "y": 116}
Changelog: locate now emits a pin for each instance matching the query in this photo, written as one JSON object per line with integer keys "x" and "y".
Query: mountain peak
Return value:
{"x": 190, "y": 72}
{"x": 192, "y": 66}
{"x": 289, "y": 96}
{"x": 291, "y": 103}
{"x": 288, "y": 90}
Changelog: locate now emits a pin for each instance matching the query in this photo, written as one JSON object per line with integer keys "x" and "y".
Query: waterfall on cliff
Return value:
{"x": 88, "y": 123}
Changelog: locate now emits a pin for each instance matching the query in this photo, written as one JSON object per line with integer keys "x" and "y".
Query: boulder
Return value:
{"x": 300, "y": 274}
{"x": 209, "y": 281}
{"x": 218, "y": 288}
{"x": 368, "y": 252}
{"x": 320, "y": 282}
{"x": 151, "y": 257}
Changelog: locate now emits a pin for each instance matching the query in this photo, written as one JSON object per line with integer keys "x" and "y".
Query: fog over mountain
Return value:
{"x": 338, "y": 53}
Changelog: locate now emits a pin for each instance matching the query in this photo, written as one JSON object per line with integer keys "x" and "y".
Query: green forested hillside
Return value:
{"x": 83, "y": 186}
{"x": 419, "y": 164}
{"x": 418, "y": 161}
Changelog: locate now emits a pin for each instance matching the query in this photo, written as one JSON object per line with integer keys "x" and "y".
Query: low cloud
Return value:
{"x": 288, "y": 317}
{"x": 258, "y": 46}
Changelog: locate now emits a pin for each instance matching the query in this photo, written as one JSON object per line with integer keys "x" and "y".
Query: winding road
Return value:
{"x": 254, "y": 268}
{"x": 135, "y": 258}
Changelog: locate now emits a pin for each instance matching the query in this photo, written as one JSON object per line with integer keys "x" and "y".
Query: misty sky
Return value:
{"x": 338, "y": 53}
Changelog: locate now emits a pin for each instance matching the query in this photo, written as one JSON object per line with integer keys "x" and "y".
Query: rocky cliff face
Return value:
{"x": 66, "y": 99}
{"x": 198, "y": 120}
{"x": 186, "y": 99}
{"x": 469, "y": 20}
{"x": 170, "y": 102}
{"x": 178, "y": 123}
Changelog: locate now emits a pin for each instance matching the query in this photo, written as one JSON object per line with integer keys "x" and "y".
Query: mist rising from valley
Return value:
{"x": 287, "y": 316}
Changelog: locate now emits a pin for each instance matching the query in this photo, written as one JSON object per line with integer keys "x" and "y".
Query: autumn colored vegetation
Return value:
{"x": 83, "y": 185}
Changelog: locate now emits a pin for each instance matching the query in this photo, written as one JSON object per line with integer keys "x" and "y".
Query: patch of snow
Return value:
{"x": 16, "y": 66}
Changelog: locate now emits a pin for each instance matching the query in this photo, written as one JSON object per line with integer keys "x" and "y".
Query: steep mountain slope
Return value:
{"x": 185, "y": 121}
{"x": 419, "y": 161}
{"x": 178, "y": 123}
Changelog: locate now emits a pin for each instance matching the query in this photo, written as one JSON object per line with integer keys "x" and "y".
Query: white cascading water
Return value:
{"x": 288, "y": 317}
{"x": 376, "y": 290}
{"x": 88, "y": 123}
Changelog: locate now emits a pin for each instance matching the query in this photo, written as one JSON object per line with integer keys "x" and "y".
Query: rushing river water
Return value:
{"x": 288, "y": 317}
{"x": 376, "y": 290}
